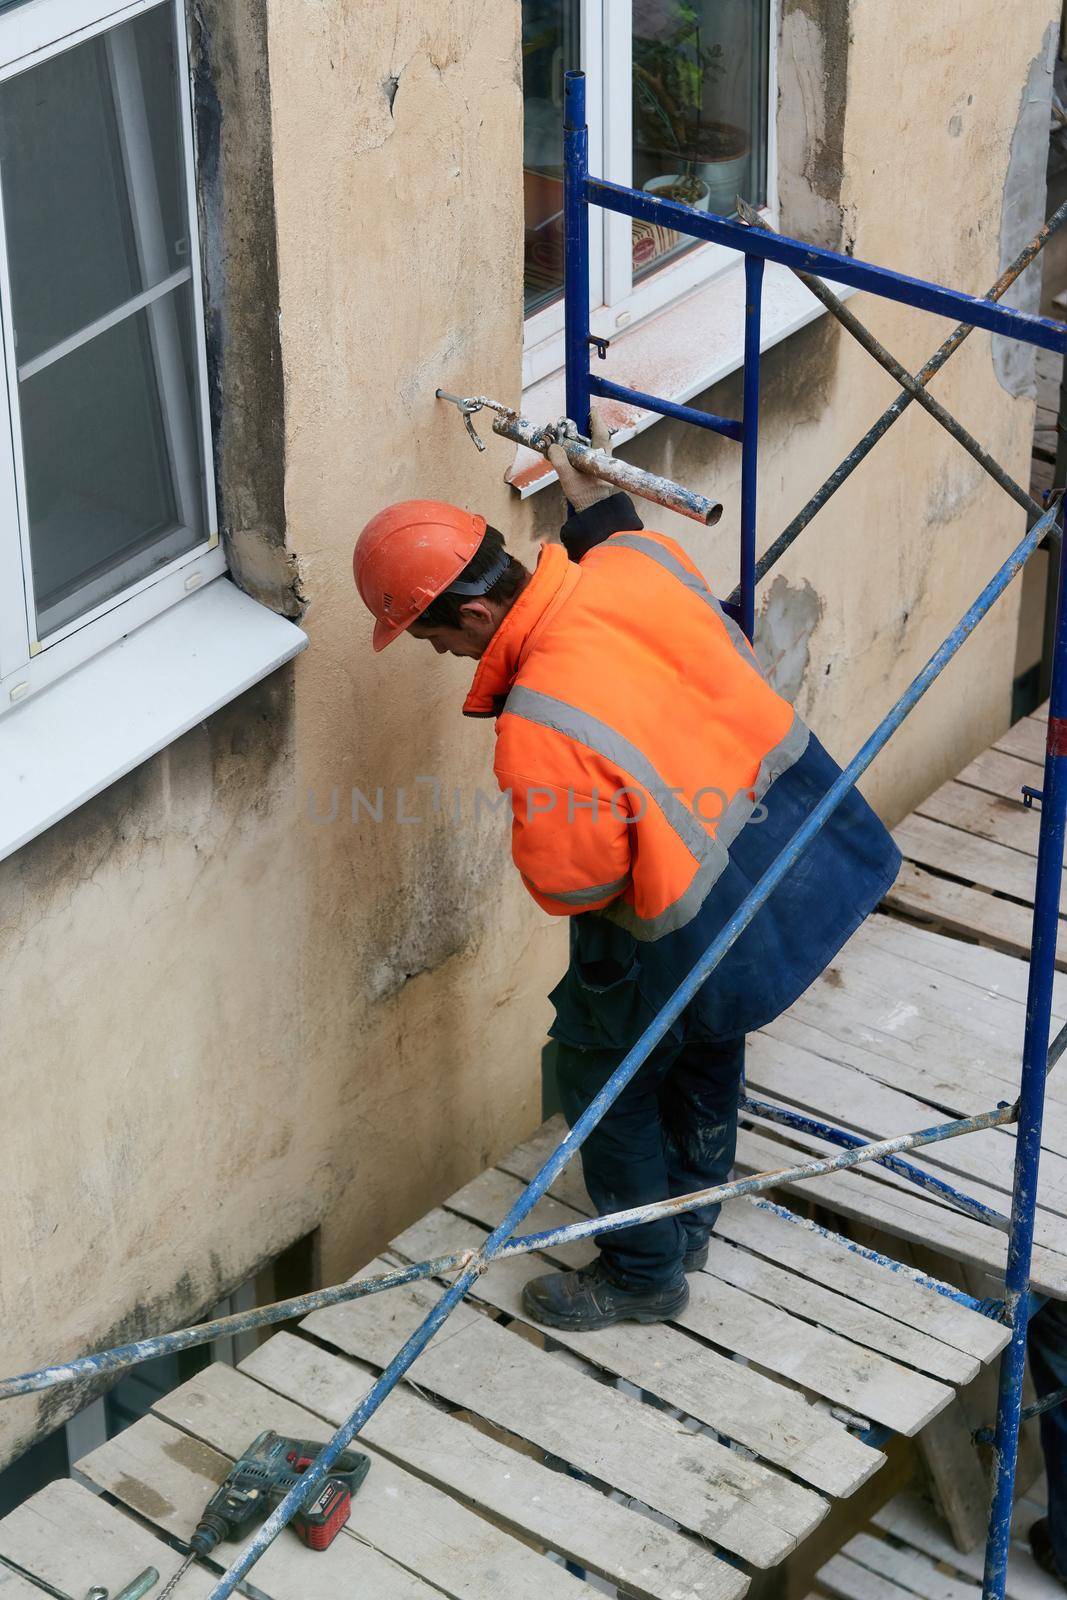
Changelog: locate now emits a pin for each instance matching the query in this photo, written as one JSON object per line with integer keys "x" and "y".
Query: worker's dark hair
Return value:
{"x": 444, "y": 612}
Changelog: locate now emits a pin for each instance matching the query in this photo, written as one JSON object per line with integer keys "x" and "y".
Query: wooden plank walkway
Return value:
{"x": 675, "y": 1461}
{"x": 969, "y": 849}
{"x": 921, "y": 1018}
{"x": 906, "y": 1554}
{"x": 672, "y": 1462}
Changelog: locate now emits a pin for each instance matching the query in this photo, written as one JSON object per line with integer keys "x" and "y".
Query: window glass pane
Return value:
{"x": 699, "y": 110}
{"x": 72, "y": 132}
{"x": 549, "y": 48}
{"x": 100, "y": 484}
{"x": 92, "y": 183}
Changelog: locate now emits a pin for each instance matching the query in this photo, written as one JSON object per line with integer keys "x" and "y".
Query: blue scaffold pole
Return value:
{"x": 1031, "y": 1110}
{"x": 576, "y": 249}
{"x": 750, "y": 441}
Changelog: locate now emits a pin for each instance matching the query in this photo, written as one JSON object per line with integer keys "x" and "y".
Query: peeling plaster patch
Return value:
{"x": 1023, "y": 213}
{"x": 812, "y": 79}
{"x": 391, "y": 85}
{"x": 421, "y": 932}
{"x": 235, "y": 168}
{"x": 267, "y": 571}
{"x": 788, "y": 618}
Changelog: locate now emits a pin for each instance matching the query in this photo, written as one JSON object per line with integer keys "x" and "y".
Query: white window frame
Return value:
{"x": 30, "y": 34}
{"x": 606, "y": 31}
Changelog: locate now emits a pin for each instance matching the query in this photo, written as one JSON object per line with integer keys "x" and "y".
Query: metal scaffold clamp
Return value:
{"x": 599, "y": 463}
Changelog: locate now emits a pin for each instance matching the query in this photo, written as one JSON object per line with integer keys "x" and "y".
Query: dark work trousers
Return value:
{"x": 1047, "y": 1348}
{"x": 672, "y": 1130}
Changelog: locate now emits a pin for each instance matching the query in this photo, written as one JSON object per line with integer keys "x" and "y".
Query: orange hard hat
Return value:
{"x": 409, "y": 554}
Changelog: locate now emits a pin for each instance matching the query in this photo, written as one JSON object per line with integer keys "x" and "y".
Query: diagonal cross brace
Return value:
{"x": 844, "y": 470}
{"x": 900, "y": 373}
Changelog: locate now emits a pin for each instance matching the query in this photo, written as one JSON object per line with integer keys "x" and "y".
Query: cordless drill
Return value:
{"x": 264, "y": 1475}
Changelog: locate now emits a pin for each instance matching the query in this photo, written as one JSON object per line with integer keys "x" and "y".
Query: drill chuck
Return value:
{"x": 210, "y": 1531}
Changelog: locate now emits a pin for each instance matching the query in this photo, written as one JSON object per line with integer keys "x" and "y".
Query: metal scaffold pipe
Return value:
{"x": 598, "y": 463}
{"x": 896, "y": 369}
{"x": 1039, "y": 991}
{"x": 106, "y": 1362}
{"x": 844, "y": 470}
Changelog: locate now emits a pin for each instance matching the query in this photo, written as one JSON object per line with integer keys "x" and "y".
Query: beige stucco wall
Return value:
{"x": 870, "y": 588}
{"x": 225, "y": 1023}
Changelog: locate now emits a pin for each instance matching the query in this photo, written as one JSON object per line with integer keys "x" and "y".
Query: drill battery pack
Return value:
{"x": 318, "y": 1523}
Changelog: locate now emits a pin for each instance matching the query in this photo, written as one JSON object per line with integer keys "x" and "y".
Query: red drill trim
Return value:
{"x": 1057, "y": 736}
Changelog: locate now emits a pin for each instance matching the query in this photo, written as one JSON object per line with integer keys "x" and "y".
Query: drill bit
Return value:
{"x": 172, "y": 1583}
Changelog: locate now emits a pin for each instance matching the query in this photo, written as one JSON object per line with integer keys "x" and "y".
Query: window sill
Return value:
{"x": 104, "y": 718}
{"x": 677, "y": 353}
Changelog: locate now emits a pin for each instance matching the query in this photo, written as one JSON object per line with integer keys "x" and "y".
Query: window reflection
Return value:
{"x": 698, "y": 87}
{"x": 549, "y": 48}
{"x": 699, "y": 110}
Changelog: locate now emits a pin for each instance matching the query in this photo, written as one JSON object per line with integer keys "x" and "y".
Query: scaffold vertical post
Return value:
{"x": 576, "y": 249}
{"x": 1031, "y": 1110}
{"x": 750, "y": 440}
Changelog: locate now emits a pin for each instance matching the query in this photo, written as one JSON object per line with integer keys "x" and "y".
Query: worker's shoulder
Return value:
{"x": 647, "y": 544}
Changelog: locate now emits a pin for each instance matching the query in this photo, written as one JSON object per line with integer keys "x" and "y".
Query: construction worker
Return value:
{"x": 654, "y": 775}
{"x": 1047, "y": 1348}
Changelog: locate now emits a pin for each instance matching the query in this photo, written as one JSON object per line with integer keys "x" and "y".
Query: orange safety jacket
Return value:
{"x": 638, "y": 734}
{"x": 643, "y": 749}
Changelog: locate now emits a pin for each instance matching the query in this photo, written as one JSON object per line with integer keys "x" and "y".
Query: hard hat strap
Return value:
{"x": 482, "y": 585}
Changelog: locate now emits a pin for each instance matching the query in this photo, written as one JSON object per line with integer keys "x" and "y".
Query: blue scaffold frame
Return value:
{"x": 580, "y": 192}
{"x": 757, "y": 247}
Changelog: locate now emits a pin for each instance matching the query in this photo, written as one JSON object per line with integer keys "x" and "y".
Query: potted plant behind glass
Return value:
{"x": 672, "y": 67}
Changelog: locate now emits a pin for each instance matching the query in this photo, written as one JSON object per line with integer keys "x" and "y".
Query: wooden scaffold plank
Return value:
{"x": 69, "y": 1538}
{"x": 168, "y": 1477}
{"x": 912, "y": 1216}
{"x": 906, "y": 1216}
{"x": 895, "y": 1210}
{"x": 985, "y": 816}
{"x": 767, "y": 1229}
{"x": 1025, "y": 739}
{"x": 909, "y": 1009}
{"x": 775, "y": 1422}
{"x": 995, "y": 773}
{"x": 911, "y": 1519}
{"x": 813, "y": 1356}
{"x": 15, "y": 1587}
{"x": 978, "y": 860}
{"x": 846, "y": 1097}
{"x": 488, "y": 1197}
{"x": 972, "y": 913}
{"x": 477, "y": 1364}
{"x": 620, "y": 1544}
{"x": 396, "y": 1514}
{"x": 868, "y": 1568}
{"x": 898, "y": 1211}
{"x": 993, "y": 974}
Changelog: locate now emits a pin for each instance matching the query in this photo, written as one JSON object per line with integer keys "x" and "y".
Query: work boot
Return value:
{"x": 696, "y": 1255}
{"x": 1041, "y": 1545}
{"x": 587, "y": 1299}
